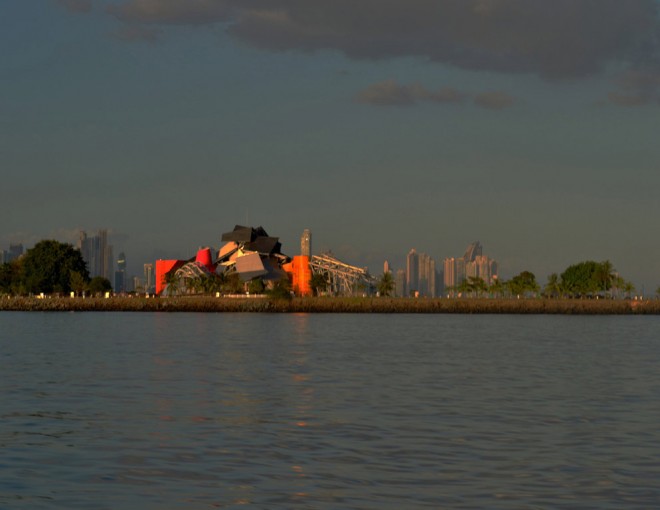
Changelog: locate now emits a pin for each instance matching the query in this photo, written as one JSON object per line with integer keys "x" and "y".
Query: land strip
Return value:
{"x": 334, "y": 305}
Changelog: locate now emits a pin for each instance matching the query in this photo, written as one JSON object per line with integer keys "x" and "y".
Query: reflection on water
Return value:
{"x": 192, "y": 411}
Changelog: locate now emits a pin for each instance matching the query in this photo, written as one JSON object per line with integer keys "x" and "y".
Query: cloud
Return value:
{"x": 390, "y": 93}
{"x": 493, "y": 100}
{"x": 76, "y": 5}
{"x": 637, "y": 87}
{"x": 553, "y": 39}
{"x": 138, "y": 33}
{"x": 172, "y": 12}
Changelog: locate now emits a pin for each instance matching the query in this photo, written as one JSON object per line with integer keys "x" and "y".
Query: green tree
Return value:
{"x": 281, "y": 289}
{"x": 318, "y": 283}
{"x": 77, "y": 282}
{"x": 11, "y": 278}
{"x": 524, "y": 283}
{"x": 233, "y": 284}
{"x": 553, "y": 287}
{"x": 496, "y": 288}
{"x": 628, "y": 289}
{"x": 172, "y": 283}
{"x": 48, "y": 266}
{"x": 476, "y": 286}
{"x": 589, "y": 277}
{"x": 386, "y": 284}
{"x": 256, "y": 286}
{"x": 463, "y": 288}
{"x": 99, "y": 285}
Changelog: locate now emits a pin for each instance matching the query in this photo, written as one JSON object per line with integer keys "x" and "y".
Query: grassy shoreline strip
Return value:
{"x": 334, "y": 305}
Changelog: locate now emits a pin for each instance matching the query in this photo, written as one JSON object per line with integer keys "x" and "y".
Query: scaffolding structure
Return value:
{"x": 342, "y": 279}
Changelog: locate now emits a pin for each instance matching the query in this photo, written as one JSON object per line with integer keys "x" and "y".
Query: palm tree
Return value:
{"x": 476, "y": 285}
{"x": 628, "y": 288}
{"x": 496, "y": 288}
{"x": 172, "y": 283}
{"x": 386, "y": 284}
{"x": 553, "y": 287}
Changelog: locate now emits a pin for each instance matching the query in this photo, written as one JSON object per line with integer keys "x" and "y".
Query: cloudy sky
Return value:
{"x": 530, "y": 125}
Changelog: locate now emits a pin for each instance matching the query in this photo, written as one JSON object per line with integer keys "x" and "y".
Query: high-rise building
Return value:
{"x": 14, "y": 252}
{"x": 386, "y": 267}
{"x": 400, "y": 283}
{"x": 472, "y": 252}
{"x": 120, "y": 274}
{"x": 473, "y": 264}
{"x": 412, "y": 272}
{"x": 97, "y": 254}
{"x": 148, "y": 277}
{"x": 454, "y": 269}
{"x": 306, "y": 243}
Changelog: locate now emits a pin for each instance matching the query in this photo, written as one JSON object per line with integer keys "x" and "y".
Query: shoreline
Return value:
{"x": 207, "y": 304}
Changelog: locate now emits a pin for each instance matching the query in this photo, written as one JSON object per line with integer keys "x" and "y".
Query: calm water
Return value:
{"x": 201, "y": 411}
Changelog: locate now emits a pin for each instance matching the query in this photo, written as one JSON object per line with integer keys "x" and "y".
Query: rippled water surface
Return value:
{"x": 198, "y": 411}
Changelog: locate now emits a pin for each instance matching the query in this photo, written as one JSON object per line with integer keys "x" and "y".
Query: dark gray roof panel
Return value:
{"x": 242, "y": 234}
{"x": 265, "y": 245}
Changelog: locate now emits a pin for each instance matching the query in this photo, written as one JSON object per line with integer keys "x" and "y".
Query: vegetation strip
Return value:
{"x": 335, "y": 305}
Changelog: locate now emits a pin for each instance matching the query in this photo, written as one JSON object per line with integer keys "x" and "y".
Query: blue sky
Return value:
{"x": 382, "y": 125}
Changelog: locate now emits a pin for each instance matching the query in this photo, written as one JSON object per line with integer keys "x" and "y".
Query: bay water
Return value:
{"x": 328, "y": 411}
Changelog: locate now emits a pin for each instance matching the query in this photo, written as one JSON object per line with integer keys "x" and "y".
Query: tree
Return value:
{"x": 628, "y": 288}
{"x": 496, "y": 288}
{"x": 233, "y": 284}
{"x": 256, "y": 286}
{"x": 11, "y": 278}
{"x": 589, "y": 277}
{"x": 77, "y": 282}
{"x": 48, "y": 266}
{"x": 523, "y": 283}
{"x": 281, "y": 289}
{"x": 386, "y": 284}
{"x": 604, "y": 275}
{"x": 99, "y": 285}
{"x": 318, "y": 283}
{"x": 476, "y": 285}
{"x": 172, "y": 283}
{"x": 553, "y": 287}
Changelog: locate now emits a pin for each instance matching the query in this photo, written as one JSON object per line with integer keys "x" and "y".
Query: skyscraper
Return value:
{"x": 400, "y": 283}
{"x": 454, "y": 269}
{"x": 97, "y": 254}
{"x": 148, "y": 277}
{"x": 472, "y": 252}
{"x": 386, "y": 267}
{"x": 120, "y": 274}
{"x": 412, "y": 272}
{"x": 306, "y": 243}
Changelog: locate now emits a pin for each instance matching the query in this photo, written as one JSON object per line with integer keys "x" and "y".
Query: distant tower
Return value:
{"x": 472, "y": 252}
{"x": 412, "y": 271}
{"x": 120, "y": 274}
{"x": 306, "y": 243}
{"x": 400, "y": 282}
{"x": 386, "y": 267}
{"x": 148, "y": 277}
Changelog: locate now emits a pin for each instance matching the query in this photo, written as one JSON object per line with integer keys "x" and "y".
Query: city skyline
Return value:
{"x": 530, "y": 126}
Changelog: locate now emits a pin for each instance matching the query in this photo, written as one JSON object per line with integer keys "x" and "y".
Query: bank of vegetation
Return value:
{"x": 334, "y": 305}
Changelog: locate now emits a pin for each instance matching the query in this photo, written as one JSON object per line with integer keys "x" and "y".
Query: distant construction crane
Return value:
{"x": 342, "y": 279}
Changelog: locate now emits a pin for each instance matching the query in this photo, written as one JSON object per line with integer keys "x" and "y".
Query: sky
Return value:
{"x": 381, "y": 125}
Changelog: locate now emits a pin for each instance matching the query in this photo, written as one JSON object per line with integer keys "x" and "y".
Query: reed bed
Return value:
{"x": 333, "y": 305}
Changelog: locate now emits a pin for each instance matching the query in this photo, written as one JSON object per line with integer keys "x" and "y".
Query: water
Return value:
{"x": 204, "y": 411}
